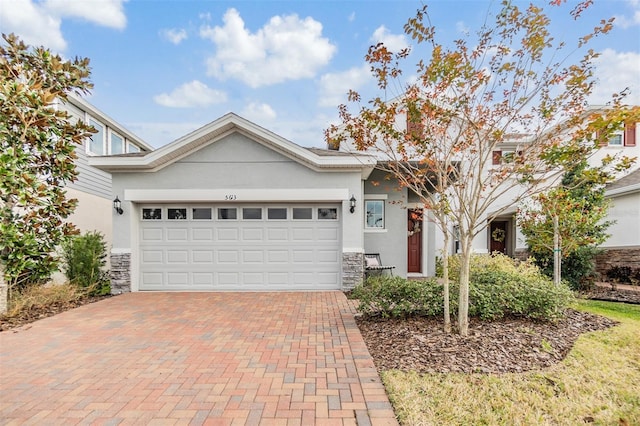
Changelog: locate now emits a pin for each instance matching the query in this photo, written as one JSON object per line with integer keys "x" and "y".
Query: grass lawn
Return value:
{"x": 598, "y": 382}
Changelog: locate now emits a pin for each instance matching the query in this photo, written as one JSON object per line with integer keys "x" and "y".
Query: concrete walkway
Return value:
{"x": 194, "y": 358}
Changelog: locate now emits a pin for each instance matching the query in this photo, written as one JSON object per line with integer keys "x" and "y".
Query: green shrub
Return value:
{"x": 84, "y": 258}
{"x": 499, "y": 287}
{"x": 578, "y": 269}
{"x": 398, "y": 297}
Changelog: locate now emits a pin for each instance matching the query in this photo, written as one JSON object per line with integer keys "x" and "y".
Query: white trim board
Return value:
{"x": 236, "y": 195}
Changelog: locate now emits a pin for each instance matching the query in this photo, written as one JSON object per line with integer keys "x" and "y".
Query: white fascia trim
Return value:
{"x": 623, "y": 190}
{"x": 235, "y": 195}
{"x": 352, "y": 250}
{"x": 120, "y": 250}
{"x": 375, "y": 196}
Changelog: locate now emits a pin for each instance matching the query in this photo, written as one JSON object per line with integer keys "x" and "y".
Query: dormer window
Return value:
{"x": 116, "y": 144}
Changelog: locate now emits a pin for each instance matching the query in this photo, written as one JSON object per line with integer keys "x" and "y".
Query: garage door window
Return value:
{"x": 251, "y": 213}
{"x": 151, "y": 214}
{"x": 228, "y": 214}
{"x": 277, "y": 213}
{"x": 302, "y": 213}
{"x": 327, "y": 214}
{"x": 177, "y": 214}
{"x": 200, "y": 213}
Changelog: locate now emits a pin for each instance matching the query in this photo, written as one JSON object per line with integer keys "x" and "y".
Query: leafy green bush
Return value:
{"x": 578, "y": 269}
{"x": 85, "y": 257}
{"x": 499, "y": 287}
{"x": 398, "y": 297}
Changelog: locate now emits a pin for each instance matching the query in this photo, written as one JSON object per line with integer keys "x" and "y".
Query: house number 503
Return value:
{"x": 230, "y": 197}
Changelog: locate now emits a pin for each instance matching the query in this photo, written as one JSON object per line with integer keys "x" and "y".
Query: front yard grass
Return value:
{"x": 598, "y": 383}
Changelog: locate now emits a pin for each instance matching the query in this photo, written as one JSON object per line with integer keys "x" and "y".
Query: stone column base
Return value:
{"x": 352, "y": 269}
{"x": 120, "y": 272}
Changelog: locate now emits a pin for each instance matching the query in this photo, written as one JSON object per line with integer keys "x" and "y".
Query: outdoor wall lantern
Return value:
{"x": 117, "y": 205}
{"x": 352, "y": 204}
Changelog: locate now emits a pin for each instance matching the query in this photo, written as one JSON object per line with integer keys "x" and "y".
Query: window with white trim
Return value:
{"x": 616, "y": 139}
{"x": 97, "y": 140}
{"x": 116, "y": 143}
{"x": 374, "y": 214}
{"x": 132, "y": 148}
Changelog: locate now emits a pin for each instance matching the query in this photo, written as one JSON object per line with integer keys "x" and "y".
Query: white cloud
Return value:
{"x": 259, "y": 112}
{"x": 39, "y": 23}
{"x": 106, "y": 13}
{"x": 191, "y": 95}
{"x": 159, "y": 134}
{"x": 286, "y": 48}
{"x": 174, "y": 36}
{"x": 335, "y": 86}
{"x": 33, "y": 24}
{"x": 629, "y": 19}
{"x": 393, "y": 42}
{"x": 352, "y": 17}
{"x": 616, "y": 71}
{"x": 461, "y": 27}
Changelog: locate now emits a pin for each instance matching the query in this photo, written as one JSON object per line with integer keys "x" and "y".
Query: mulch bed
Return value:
{"x": 31, "y": 315}
{"x": 510, "y": 345}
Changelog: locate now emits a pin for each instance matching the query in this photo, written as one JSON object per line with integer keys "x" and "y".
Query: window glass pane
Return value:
{"x": 151, "y": 214}
{"x": 117, "y": 144}
{"x": 327, "y": 214}
{"x": 252, "y": 213}
{"x": 374, "y": 213}
{"x": 616, "y": 140}
{"x": 179, "y": 214}
{"x": 133, "y": 148}
{"x": 302, "y": 213}
{"x": 229, "y": 213}
{"x": 96, "y": 140}
{"x": 201, "y": 213}
{"x": 277, "y": 213}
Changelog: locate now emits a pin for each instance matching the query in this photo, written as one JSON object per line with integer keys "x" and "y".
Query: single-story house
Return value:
{"x": 233, "y": 206}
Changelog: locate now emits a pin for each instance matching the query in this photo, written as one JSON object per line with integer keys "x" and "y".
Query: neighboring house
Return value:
{"x": 92, "y": 188}
{"x": 232, "y": 206}
{"x": 623, "y": 247}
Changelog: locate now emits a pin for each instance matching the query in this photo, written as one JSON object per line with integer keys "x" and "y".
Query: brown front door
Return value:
{"x": 414, "y": 244}
{"x": 498, "y": 237}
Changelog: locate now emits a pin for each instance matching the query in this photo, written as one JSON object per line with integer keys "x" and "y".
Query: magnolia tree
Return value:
{"x": 37, "y": 142}
{"x": 464, "y": 101}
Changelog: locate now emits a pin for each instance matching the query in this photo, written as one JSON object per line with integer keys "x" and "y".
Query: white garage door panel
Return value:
{"x": 236, "y": 254}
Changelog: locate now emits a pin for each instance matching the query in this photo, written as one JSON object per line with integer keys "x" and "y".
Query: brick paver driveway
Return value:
{"x": 194, "y": 358}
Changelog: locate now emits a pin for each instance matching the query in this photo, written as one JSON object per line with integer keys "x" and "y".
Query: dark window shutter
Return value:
{"x": 630, "y": 134}
{"x": 601, "y": 142}
{"x": 497, "y": 157}
{"x": 414, "y": 128}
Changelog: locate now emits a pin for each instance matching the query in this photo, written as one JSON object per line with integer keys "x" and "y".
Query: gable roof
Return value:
{"x": 222, "y": 127}
{"x": 629, "y": 183}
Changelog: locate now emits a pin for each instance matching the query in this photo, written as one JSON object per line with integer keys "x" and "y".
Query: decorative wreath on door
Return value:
{"x": 415, "y": 217}
{"x": 498, "y": 235}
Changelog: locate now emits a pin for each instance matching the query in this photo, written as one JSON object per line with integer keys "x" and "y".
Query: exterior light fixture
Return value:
{"x": 352, "y": 204}
{"x": 117, "y": 205}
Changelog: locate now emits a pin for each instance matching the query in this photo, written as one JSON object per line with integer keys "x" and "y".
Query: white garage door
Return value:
{"x": 243, "y": 247}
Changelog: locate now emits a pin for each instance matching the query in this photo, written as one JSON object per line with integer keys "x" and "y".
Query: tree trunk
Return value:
{"x": 445, "y": 283}
{"x": 557, "y": 255}
{"x": 463, "y": 300}
{"x": 4, "y": 292}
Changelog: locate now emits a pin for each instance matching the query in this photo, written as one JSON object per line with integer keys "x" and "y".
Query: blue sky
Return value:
{"x": 165, "y": 68}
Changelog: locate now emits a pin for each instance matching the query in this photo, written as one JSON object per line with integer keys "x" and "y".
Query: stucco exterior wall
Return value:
{"x": 236, "y": 163}
{"x": 625, "y": 211}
